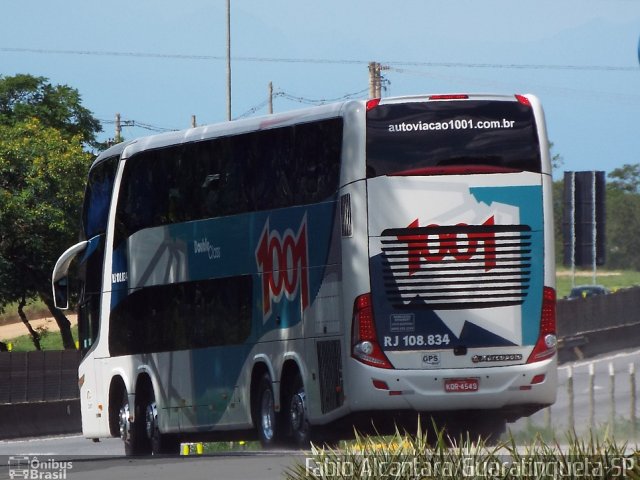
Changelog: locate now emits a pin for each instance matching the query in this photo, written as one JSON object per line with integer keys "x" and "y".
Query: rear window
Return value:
{"x": 439, "y": 134}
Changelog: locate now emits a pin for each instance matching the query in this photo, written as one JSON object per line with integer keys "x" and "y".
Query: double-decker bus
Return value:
{"x": 365, "y": 259}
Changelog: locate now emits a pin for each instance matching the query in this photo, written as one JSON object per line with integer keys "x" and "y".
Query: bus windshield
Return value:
{"x": 98, "y": 196}
{"x": 437, "y": 135}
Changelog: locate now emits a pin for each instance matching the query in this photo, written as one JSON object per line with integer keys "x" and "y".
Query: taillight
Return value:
{"x": 364, "y": 340}
{"x": 456, "y": 96}
{"x": 373, "y": 103}
{"x": 547, "y": 341}
{"x": 523, "y": 100}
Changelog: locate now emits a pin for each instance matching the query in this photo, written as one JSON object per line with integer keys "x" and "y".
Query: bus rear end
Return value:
{"x": 460, "y": 315}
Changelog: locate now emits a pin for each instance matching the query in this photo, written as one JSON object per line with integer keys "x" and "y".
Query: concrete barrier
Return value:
{"x": 599, "y": 324}
{"x": 39, "y": 419}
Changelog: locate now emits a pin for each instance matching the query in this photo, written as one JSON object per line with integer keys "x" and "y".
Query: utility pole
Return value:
{"x": 193, "y": 121}
{"x": 118, "y": 137}
{"x": 375, "y": 79}
{"x": 374, "y": 71}
{"x": 228, "y": 59}
{"x": 270, "y": 97}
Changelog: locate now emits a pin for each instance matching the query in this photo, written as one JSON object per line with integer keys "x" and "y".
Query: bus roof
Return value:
{"x": 234, "y": 127}
{"x": 264, "y": 122}
{"x": 115, "y": 150}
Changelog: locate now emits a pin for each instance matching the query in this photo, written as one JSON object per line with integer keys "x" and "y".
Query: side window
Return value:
{"x": 318, "y": 149}
{"x": 183, "y": 316}
{"x": 289, "y": 166}
{"x": 154, "y": 191}
{"x": 255, "y": 171}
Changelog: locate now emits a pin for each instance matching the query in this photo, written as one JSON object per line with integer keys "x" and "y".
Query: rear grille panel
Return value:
{"x": 456, "y": 267}
{"x": 330, "y": 372}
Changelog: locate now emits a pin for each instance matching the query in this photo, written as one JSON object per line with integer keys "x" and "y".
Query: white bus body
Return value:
{"x": 303, "y": 269}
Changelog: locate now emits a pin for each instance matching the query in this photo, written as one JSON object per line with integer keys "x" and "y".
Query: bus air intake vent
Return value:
{"x": 345, "y": 214}
{"x": 456, "y": 267}
{"x": 330, "y": 373}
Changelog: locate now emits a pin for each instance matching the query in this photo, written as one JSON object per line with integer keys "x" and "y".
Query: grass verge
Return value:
{"x": 49, "y": 340}
{"x": 613, "y": 280}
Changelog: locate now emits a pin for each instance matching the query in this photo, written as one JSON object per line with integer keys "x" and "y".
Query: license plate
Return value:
{"x": 461, "y": 385}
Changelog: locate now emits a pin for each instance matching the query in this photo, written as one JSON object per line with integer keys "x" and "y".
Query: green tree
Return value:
{"x": 556, "y": 159}
{"x": 623, "y": 217}
{"x": 41, "y": 188}
{"x": 626, "y": 178}
{"x": 43, "y": 164}
{"x": 23, "y": 97}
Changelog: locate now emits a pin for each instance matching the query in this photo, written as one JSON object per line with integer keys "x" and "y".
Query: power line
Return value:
{"x": 256, "y": 108}
{"x": 299, "y": 99}
{"x": 319, "y": 61}
{"x": 321, "y": 101}
{"x": 251, "y": 111}
{"x": 145, "y": 126}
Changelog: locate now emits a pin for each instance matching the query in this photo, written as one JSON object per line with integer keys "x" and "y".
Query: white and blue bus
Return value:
{"x": 367, "y": 259}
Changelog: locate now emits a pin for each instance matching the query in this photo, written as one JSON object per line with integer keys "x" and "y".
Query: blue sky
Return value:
{"x": 158, "y": 62}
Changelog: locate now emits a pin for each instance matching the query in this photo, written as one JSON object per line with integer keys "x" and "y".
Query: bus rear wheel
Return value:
{"x": 132, "y": 433}
{"x": 160, "y": 443}
{"x": 265, "y": 415}
{"x": 297, "y": 416}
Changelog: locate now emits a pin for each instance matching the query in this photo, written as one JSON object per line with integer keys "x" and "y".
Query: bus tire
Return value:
{"x": 266, "y": 419}
{"x": 132, "y": 433}
{"x": 160, "y": 443}
{"x": 297, "y": 416}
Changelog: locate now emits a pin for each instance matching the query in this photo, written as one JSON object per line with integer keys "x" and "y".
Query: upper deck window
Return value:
{"x": 249, "y": 172}
{"x": 439, "y": 134}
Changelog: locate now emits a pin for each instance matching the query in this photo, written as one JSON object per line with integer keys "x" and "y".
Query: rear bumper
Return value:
{"x": 506, "y": 388}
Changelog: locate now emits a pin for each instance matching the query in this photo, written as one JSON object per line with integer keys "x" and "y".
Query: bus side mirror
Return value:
{"x": 60, "y": 276}
{"x": 61, "y": 293}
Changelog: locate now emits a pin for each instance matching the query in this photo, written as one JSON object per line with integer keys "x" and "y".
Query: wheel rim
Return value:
{"x": 151, "y": 419}
{"x": 267, "y": 415}
{"x": 297, "y": 412}
{"x": 124, "y": 423}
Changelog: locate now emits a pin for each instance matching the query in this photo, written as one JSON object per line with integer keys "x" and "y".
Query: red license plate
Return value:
{"x": 461, "y": 385}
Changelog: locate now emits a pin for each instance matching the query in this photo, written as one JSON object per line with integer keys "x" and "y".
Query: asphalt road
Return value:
{"x": 81, "y": 459}
{"x": 76, "y": 458}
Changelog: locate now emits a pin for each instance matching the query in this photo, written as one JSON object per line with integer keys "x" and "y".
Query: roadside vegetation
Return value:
{"x": 45, "y": 152}
{"x": 614, "y": 280}
{"x": 49, "y": 340}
